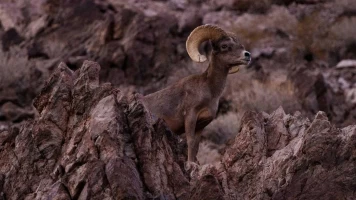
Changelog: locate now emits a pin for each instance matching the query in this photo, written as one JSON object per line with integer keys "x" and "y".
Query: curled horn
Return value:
{"x": 199, "y": 35}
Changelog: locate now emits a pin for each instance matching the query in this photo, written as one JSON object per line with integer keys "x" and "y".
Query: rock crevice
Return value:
{"x": 91, "y": 141}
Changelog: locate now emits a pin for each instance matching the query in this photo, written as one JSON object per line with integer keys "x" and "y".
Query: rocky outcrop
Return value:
{"x": 281, "y": 156}
{"x": 141, "y": 45}
{"x": 91, "y": 141}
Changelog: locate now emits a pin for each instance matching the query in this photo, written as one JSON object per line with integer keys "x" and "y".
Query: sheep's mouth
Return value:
{"x": 240, "y": 63}
{"x": 235, "y": 67}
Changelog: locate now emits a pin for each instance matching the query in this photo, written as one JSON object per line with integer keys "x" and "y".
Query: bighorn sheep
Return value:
{"x": 191, "y": 104}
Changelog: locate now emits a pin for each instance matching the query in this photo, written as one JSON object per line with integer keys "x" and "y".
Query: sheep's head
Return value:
{"x": 226, "y": 48}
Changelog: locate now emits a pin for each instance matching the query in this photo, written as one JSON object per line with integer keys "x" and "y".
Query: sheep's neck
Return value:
{"x": 216, "y": 76}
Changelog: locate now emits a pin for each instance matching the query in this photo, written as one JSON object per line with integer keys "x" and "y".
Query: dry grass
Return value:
{"x": 208, "y": 153}
{"x": 12, "y": 67}
{"x": 223, "y": 128}
{"x": 247, "y": 93}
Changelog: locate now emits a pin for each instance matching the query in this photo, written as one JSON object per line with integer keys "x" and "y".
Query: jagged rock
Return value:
{"x": 315, "y": 163}
{"x": 91, "y": 141}
{"x": 141, "y": 45}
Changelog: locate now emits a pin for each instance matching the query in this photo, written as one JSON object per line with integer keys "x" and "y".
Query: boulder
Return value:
{"x": 91, "y": 141}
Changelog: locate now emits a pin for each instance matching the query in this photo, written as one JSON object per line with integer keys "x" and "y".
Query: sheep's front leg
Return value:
{"x": 190, "y": 123}
{"x": 193, "y": 140}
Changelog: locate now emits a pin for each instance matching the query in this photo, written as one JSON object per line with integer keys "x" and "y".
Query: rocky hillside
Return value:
{"x": 74, "y": 129}
{"x": 91, "y": 141}
{"x": 140, "y": 45}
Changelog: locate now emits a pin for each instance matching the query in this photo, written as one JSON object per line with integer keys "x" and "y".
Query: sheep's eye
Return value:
{"x": 224, "y": 46}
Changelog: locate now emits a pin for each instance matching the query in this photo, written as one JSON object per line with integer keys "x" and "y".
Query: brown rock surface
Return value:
{"x": 82, "y": 138}
{"x": 90, "y": 141}
{"x": 141, "y": 45}
{"x": 313, "y": 161}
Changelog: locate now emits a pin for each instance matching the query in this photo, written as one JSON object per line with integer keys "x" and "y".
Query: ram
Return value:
{"x": 191, "y": 104}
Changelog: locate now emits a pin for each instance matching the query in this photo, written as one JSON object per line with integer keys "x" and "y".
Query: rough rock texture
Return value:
{"x": 310, "y": 160}
{"x": 90, "y": 141}
{"x": 303, "y": 59}
{"x": 140, "y": 46}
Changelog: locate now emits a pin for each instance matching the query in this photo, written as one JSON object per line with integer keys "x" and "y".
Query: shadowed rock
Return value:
{"x": 92, "y": 142}
{"x": 314, "y": 160}
{"x": 141, "y": 44}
